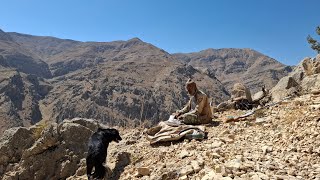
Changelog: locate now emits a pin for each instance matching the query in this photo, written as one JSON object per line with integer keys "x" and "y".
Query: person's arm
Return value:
{"x": 185, "y": 109}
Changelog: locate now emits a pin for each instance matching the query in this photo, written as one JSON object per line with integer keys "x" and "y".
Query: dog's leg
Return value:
{"x": 100, "y": 171}
{"x": 89, "y": 169}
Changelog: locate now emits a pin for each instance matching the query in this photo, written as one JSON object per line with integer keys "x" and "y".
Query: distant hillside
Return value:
{"x": 43, "y": 46}
{"x": 237, "y": 65}
{"x": 13, "y": 55}
{"x": 122, "y": 82}
{"x": 133, "y": 82}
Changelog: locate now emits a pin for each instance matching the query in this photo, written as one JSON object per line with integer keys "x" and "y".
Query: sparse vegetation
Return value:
{"x": 315, "y": 45}
{"x": 39, "y": 127}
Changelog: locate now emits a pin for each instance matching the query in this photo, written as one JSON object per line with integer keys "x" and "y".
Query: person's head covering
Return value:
{"x": 190, "y": 82}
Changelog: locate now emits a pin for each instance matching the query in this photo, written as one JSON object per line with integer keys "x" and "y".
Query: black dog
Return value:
{"x": 97, "y": 151}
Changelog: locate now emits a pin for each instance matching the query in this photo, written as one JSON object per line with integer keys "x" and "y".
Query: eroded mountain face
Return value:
{"x": 145, "y": 84}
{"x": 232, "y": 66}
{"x": 121, "y": 82}
{"x": 19, "y": 98}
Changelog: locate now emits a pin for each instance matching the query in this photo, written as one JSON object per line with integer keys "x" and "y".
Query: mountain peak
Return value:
{"x": 4, "y": 36}
{"x": 135, "y": 39}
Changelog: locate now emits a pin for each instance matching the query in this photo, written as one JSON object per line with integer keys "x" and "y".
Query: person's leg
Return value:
{"x": 189, "y": 118}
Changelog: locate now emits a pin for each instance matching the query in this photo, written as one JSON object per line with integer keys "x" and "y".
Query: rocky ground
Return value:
{"x": 281, "y": 142}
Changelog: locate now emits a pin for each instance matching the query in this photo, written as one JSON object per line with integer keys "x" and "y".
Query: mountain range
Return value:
{"x": 126, "y": 83}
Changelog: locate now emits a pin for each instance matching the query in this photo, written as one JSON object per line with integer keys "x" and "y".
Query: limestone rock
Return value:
{"x": 186, "y": 170}
{"x": 305, "y": 78}
{"x": 183, "y": 154}
{"x": 55, "y": 154}
{"x": 143, "y": 171}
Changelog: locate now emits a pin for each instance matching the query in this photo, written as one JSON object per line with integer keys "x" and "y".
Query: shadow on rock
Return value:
{"x": 213, "y": 124}
{"x": 123, "y": 160}
{"x": 167, "y": 143}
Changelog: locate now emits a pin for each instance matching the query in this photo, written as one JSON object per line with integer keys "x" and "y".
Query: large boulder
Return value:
{"x": 12, "y": 144}
{"x": 311, "y": 66}
{"x": 304, "y": 79}
{"x": 240, "y": 91}
{"x": 46, "y": 150}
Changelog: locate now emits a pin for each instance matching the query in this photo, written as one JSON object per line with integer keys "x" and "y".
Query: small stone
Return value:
{"x": 226, "y": 178}
{"x": 266, "y": 149}
{"x": 262, "y": 176}
{"x": 215, "y": 155}
{"x": 221, "y": 170}
{"x": 233, "y": 165}
{"x": 228, "y": 139}
{"x": 143, "y": 171}
{"x": 255, "y": 177}
{"x": 211, "y": 175}
{"x": 216, "y": 144}
{"x": 183, "y": 154}
{"x": 195, "y": 165}
{"x": 186, "y": 171}
{"x": 185, "y": 177}
{"x": 261, "y": 120}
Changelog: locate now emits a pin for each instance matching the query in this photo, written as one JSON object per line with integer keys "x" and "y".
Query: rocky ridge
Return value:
{"x": 231, "y": 65}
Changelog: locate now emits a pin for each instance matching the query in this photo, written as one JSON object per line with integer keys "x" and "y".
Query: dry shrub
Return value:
{"x": 39, "y": 127}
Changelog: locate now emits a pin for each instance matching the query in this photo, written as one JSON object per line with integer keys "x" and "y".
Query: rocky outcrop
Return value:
{"x": 231, "y": 66}
{"x": 304, "y": 79}
{"x": 46, "y": 150}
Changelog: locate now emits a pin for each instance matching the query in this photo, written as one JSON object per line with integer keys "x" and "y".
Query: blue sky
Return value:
{"x": 277, "y": 28}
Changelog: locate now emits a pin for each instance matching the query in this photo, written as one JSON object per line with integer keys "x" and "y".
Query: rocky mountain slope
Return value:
{"x": 13, "y": 55}
{"x": 231, "y": 66}
{"x": 123, "y": 82}
{"x": 280, "y": 142}
{"x": 134, "y": 84}
{"x": 43, "y": 46}
{"x": 146, "y": 84}
{"x": 19, "y": 98}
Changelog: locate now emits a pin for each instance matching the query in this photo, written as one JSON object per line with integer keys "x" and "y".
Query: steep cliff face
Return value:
{"x": 140, "y": 83}
{"x": 19, "y": 98}
{"x": 238, "y": 65}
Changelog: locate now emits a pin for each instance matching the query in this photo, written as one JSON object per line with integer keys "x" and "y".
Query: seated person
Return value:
{"x": 197, "y": 110}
